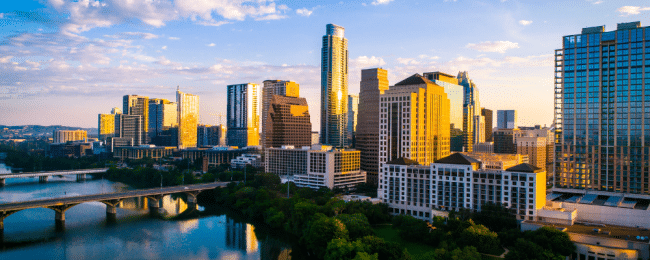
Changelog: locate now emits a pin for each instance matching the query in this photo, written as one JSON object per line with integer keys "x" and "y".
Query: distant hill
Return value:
{"x": 19, "y": 131}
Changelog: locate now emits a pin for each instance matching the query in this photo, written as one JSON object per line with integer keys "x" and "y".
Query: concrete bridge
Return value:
{"x": 43, "y": 176}
{"x": 60, "y": 205}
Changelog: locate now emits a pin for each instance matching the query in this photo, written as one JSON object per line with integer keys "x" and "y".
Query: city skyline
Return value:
{"x": 67, "y": 58}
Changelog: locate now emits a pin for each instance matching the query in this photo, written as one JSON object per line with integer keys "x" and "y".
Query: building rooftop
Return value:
{"x": 458, "y": 158}
{"x": 403, "y": 161}
{"x": 601, "y": 230}
{"x": 415, "y": 79}
{"x": 524, "y": 167}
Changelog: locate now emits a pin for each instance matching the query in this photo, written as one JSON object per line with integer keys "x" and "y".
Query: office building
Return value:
{"x": 479, "y": 129}
{"x": 533, "y": 146}
{"x": 316, "y": 166}
{"x": 217, "y": 155}
{"x": 138, "y": 106}
{"x": 460, "y": 182}
{"x": 70, "y": 149}
{"x": 487, "y": 147}
{"x": 62, "y": 136}
{"x": 471, "y": 109}
{"x": 207, "y": 135}
{"x": 116, "y": 110}
{"x": 374, "y": 82}
{"x": 243, "y": 115}
{"x": 275, "y": 87}
{"x": 288, "y": 122}
{"x": 188, "y": 119}
{"x": 315, "y": 137}
{"x": 353, "y": 109}
{"x": 487, "y": 116}
{"x": 414, "y": 122}
{"x": 241, "y": 161}
{"x": 505, "y": 140}
{"x": 602, "y": 124}
{"x": 506, "y": 119}
{"x": 163, "y": 115}
{"x": 105, "y": 126}
{"x": 455, "y": 93}
{"x": 128, "y": 130}
{"x": 143, "y": 151}
{"x": 334, "y": 87}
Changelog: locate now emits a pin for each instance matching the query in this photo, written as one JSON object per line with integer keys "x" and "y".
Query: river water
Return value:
{"x": 182, "y": 232}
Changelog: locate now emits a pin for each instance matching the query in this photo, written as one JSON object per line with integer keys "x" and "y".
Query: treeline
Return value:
{"x": 19, "y": 159}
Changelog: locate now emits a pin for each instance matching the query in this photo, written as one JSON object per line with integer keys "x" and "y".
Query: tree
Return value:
{"x": 555, "y": 240}
{"x": 341, "y": 249}
{"x": 365, "y": 256}
{"x": 482, "y": 238}
{"x": 496, "y": 217}
{"x": 385, "y": 250}
{"x": 356, "y": 224}
{"x": 321, "y": 231}
{"x": 527, "y": 250}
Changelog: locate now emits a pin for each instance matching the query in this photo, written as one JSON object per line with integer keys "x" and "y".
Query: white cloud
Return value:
{"x": 381, "y": 2}
{"x": 497, "y": 46}
{"x": 211, "y": 45}
{"x": 365, "y": 62}
{"x": 304, "y": 12}
{"x": 2, "y": 15}
{"x": 174, "y": 38}
{"x": 133, "y": 35}
{"x": 5, "y": 59}
{"x": 595, "y": 1}
{"x": 271, "y": 17}
{"x": 212, "y": 23}
{"x": 631, "y": 10}
{"x": 525, "y": 22}
{"x": 164, "y": 47}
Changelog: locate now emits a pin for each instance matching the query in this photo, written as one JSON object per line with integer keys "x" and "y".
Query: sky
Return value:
{"x": 63, "y": 62}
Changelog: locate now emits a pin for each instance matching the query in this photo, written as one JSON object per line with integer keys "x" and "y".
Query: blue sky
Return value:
{"x": 63, "y": 62}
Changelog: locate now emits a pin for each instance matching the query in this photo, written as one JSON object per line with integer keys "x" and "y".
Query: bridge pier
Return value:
{"x": 81, "y": 177}
{"x": 42, "y": 179}
{"x": 154, "y": 204}
{"x": 111, "y": 209}
{"x": 59, "y": 220}
{"x": 2, "y": 182}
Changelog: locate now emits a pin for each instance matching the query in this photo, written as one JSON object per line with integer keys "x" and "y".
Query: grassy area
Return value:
{"x": 390, "y": 234}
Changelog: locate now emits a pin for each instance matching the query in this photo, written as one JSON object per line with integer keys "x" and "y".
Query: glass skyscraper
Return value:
{"x": 188, "y": 118}
{"x": 334, "y": 87}
{"x": 602, "y": 110}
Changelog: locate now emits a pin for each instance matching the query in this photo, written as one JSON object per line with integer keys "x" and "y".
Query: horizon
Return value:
{"x": 69, "y": 61}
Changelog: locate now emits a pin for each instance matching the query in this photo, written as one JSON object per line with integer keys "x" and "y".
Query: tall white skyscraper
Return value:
{"x": 334, "y": 87}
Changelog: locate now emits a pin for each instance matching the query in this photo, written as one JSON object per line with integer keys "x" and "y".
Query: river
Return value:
{"x": 31, "y": 234}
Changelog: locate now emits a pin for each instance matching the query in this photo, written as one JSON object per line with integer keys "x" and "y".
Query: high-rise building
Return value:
{"x": 506, "y": 119}
{"x": 62, "y": 136}
{"x": 602, "y": 124}
{"x": 138, "y": 106}
{"x": 505, "y": 140}
{"x": 374, "y": 82}
{"x": 487, "y": 115}
{"x": 106, "y": 125}
{"x": 275, "y": 87}
{"x": 188, "y": 118}
{"x": 471, "y": 109}
{"x": 163, "y": 115}
{"x": 334, "y": 87}
{"x": 479, "y": 129}
{"x": 243, "y": 115}
{"x": 288, "y": 122}
{"x": 116, "y": 110}
{"x": 353, "y": 109}
{"x": 207, "y": 135}
{"x": 414, "y": 121}
{"x": 128, "y": 130}
{"x": 455, "y": 93}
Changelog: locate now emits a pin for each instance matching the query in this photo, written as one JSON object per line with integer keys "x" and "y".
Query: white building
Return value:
{"x": 241, "y": 161}
{"x": 316, "y": 166}
{"x": 459, "y": 181}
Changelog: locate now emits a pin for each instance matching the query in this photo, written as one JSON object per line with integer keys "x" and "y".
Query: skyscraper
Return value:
{"x": 455, "y": 93}
{"x": 188, "y": 118}
{"x": 243, "y": 115}
{"x": 373, "y": 84}
{"x": 506, "y": 119}
{"x": 128, "y": 130}
{"x": 334, "y": 87}
{"x": 602, "y": 124}
{"x": 414, "y": 122}
{"x": 353, "y": 109}
{"x": 288, "y": 122}
{"x": 275, "y": 87}
{"x": 138, "y": 106}
{"x": 487, "y": 114}
{"x": 163, "y": 115}
{"x": 471, "y": 109}
{"x": 210, "y": 135}
{"x": 105, "y": 126}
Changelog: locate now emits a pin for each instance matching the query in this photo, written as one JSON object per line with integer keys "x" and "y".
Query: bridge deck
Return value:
{"x": 108, "y": 196}
{"x": 52, "y": 173}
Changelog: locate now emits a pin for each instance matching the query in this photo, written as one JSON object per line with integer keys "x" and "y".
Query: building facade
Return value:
{"x": 506, "y": 119}
{"x": 334, "y": 87}
{"x": 138, "y": 106}
{"x": 374, "y": 82}
{"x": 316, "y": 166}
{"x": 471, "y": 109}
{"x": 207, "y": 135}
{"x": 128, "y": 130}
{"x": 505, "y": 140}
{"x": 62, "y": 136}
{"x": 163, "y": 115}
{"x": 414, "y": 121}
{"x": 353, "y": 109}
{"x": 288, "y": 122}
{"x": 275, "y": 87}
{"x": 602, "y": 119}
{"x": 243, "y": 115}
{"x": 188, "y": 119}
{"x": 105, "y": 126}
{"x": 487, "y": 115}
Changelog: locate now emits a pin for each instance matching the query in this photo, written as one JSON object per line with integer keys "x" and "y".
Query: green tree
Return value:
{"x": 496, "y": 217}
{"x": 385, "y": 250}
{"x": 357, "y": 225}
{"x": 555, "y": 240}
{"x": 482, "y": 238}
{"x": 321, "y": 231}
{"x": 365, "y": 256}
{"x": 527, "y": 250}
{"x": 341, "y": 249}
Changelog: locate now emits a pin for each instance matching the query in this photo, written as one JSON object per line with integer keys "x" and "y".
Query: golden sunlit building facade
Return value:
{"x": 374, "y": 82}
{"x": 105, "y": 126}
{"x": 188, "y": 119}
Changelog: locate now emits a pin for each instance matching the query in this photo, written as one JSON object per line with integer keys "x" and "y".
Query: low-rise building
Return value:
{"x": 143, "y": 151}
{"x": 217, "y": 155}
{"x": 70, "y": 149}
{"x": 316, "y": 166}
{"x": 459, "y": 182}
{"x": 241, "y": 161}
